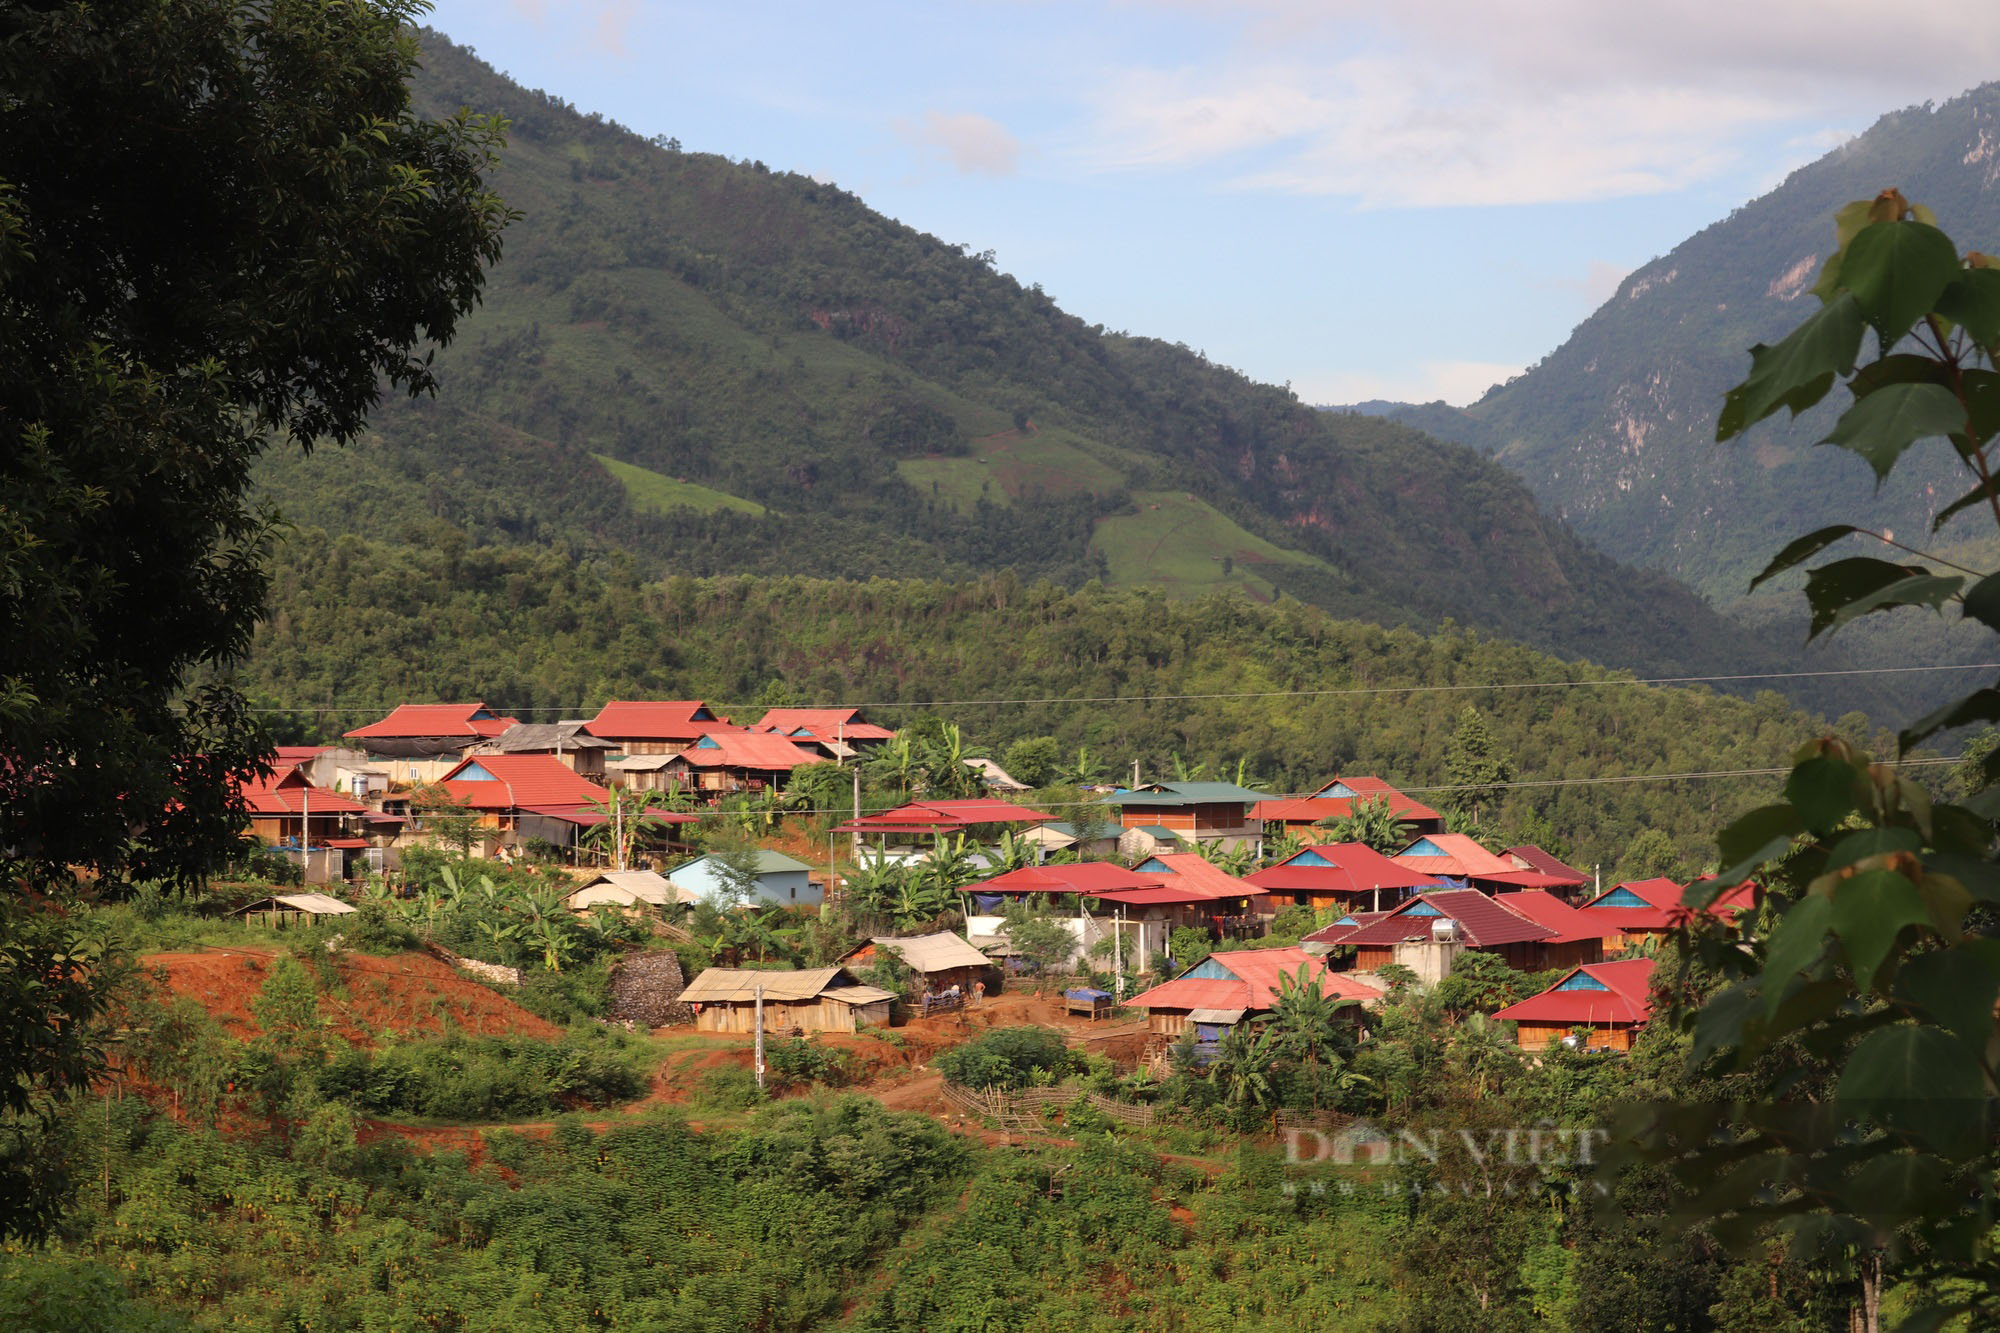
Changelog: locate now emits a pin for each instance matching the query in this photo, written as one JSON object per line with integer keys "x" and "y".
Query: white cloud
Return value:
{"x": 975, "y": 145}
{"x": 1438, "y": 102}
{"x": 1456, "y": 382}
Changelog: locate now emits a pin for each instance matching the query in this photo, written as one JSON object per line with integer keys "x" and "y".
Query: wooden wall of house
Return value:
{"x": 1167, "y": 1022}
{"x": 816, "y": 1015}
{"x": 1541, "y": 1036}
{"x": 1574, "y": 953}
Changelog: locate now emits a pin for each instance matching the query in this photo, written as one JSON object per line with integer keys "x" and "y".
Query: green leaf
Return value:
{"x": 1869, "y": 912}
{"x": 1919, "y": 1079}
{"x": 1858, "y": 585}
{"x": 1957, "y": 988}
{"x": 1755, "y": 832}
{"x": 1982, "y": 601}
{"x": 1888, "y": 421}
{"x": 1971, "y": 300}
{"x": 1903, "y": 368}
{"x": 1719, "y": 1025}
{"x": 1982, "y": 401}
{"x": 1900, "y": 1187}
{"x": 1979, "y": 706}
{"x": 1798, "y": 941}
{"x": 1896, "y": 271}
{"x": 1864, "y": 843}
{"x": 1822, "y": 791}
{"x": 1797, "y": 371}
{"x": 1805, "y": 548}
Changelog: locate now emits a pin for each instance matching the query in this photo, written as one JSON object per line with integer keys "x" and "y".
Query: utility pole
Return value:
{"x": 1135, "y": 775}
{"x": 760, "y": 1036}
{"x": 857, "y": 811}
{"x": 1117, "y": 955}
{"x": 305, "y": 834}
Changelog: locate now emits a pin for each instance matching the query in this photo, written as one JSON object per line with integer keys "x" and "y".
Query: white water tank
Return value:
{"x": 1444, "y": 930}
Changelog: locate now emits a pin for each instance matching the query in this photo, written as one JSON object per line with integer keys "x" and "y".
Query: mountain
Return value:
{"x": 714, "y": 367}
{"x": 1615, "y": 430}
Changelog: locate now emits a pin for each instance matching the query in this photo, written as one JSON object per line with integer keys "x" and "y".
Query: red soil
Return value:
{"x": 408, "y": 994}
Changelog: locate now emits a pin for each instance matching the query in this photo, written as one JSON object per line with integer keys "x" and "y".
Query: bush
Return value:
{"x": 567, "y": 996}
{"x": 1010, "y": 1058}
{"x": 482, "y": 1078}
{"x": 800, "y": 1060}
{"x": 727, "y": 1089}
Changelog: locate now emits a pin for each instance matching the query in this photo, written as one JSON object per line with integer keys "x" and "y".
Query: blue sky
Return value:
{"x": 1362, "y": 200}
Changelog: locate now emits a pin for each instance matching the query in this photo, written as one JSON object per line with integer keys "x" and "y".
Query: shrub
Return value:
{"x": 799, "y": 1060}
{"x": 1010, "y": 1058}
{"x": 727, "y": 1089}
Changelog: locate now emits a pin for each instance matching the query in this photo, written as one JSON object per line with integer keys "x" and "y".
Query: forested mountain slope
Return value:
{"x": 363, "y": 625}
{"x": 718, "y": 368}
{"x": 1615, "y": 430}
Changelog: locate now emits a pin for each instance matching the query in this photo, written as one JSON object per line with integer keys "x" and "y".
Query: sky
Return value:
{"x": 1411, "y": 201}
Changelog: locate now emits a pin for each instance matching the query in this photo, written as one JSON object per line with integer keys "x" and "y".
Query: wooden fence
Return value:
{"x": 1021, "y": 1111}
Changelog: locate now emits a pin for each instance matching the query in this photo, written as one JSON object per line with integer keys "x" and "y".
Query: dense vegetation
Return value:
{"x": 900, "y": 409}
{"x": 363, "y": 625}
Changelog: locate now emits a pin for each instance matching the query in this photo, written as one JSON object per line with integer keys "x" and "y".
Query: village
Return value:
{"x": 1179, "y": 914}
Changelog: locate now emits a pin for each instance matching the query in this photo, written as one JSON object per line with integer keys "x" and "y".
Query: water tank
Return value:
{"x": 1444, "y": 930}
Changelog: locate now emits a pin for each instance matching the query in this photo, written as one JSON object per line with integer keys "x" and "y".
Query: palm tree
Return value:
{"x": 897, "y": 762}
{"x": 1238, "y": 860}
{"x": 1305, "y": 1022}
{"x": 944, "y": 769}
{"x": 874, "y": 883}
{"x": 1083, "y": 771}
{"x": 1283, "y": 847}
{"x": 1186, "y": 772}
{"x": 1012, "y": 852}
{"x": 554, "y": 942}
{"x": 502, "y": 934}
{"x": 1242, "y": 1067}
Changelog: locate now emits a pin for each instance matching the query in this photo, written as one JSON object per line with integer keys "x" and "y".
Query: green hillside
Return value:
{"x": 652, "y": 493}
{"x": 897, "y": 408}
{"x": 363, "y": 625}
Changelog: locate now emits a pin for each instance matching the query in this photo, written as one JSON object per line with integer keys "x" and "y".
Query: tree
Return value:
{"x": 1371, "y": 821}
{"x": 1475, "y": 767}
{"x": 1651, "y": 855}
{"x": 1045, "y": 942}
{"x": 220, "y": 224}
{"x": 1033, "y": 760}
{"x": 451, "y": 823}
{"x": 1870, "y": 975}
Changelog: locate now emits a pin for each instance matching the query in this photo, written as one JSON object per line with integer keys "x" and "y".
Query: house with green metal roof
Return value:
{"x": 780, "y": 881}
{"x": 1155, "y": 814}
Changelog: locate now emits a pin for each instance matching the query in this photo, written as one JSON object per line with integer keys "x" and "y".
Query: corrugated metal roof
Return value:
{"x": 655, "y": 720}
{"x": 541, "y": 737}
{"x": 1312, "y": 809}
{"x": 746, "y": 749}
{"x": 521, "y": 781}
{"x": 648, "y": 886}
{"x": 319, "y": 904}
{"x": 934, "y": 953}
{"x": 738, "y": 985}
{"x": 1548, "y": 910}
{"x": 824, "y": 723}
{"x": 1626, "y": 997}
{"x": 1356, "y": 868}
{"x": 1187, "y": 793}
{"x": 1192, "y": 870}
{"x": 437, "y": 720}
{"x": 1461, "y": 856}
{"x": 288, "y": 792}
{"x": 1086, "y": 877}
{"x": 1483, "y": 923}
{"x": 1531, "y": 857}
{"x": 1226, "y": 1017}
{"x": 1194, "y": 993}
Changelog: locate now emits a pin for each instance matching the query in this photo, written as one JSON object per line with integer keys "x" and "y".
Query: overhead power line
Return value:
{"x": 1328, "y": 692}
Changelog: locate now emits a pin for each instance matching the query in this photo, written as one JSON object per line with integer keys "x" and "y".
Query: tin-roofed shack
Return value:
{"x": 822, "y": 999}
{"x": 291, "y": 909}
{"x": 943, "y": 960}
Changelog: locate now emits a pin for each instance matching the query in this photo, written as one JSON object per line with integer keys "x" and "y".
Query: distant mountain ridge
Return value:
{"x": 1614, "y": 430}
{"x": 708, "y": 367}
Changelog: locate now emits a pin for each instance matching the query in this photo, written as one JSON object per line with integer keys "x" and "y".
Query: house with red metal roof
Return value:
{"x": 1453, "y": 856}
{"x": 316, "y": 824}
{"x": 720, "y": 763}
{"x": 1236, "y": 908}
{"x": 1426, "y": 933}
{"x": 656, "y": 726}
{"x": 1339, "y": 876}
{"x": 842, "y": 726}
{"x": 1599, "y": 1006}
{"x": 516, "y": 797}
{"x": 420, "y": 742}
{"x": 1224, "y": 989}
{"x": 1336, "y": 800}
{"x": 1643, "y": 909}
{"x": 923, "y": 819}
{"x": 1561, "y": 876}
